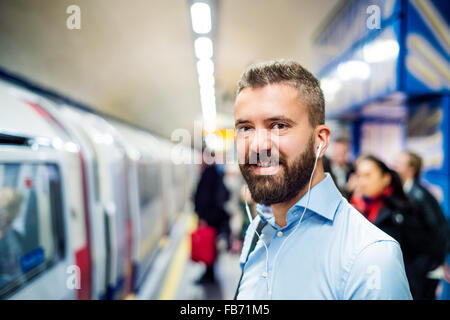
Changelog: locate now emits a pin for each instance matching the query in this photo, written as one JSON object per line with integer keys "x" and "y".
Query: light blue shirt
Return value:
{"x": 335, "y": 253}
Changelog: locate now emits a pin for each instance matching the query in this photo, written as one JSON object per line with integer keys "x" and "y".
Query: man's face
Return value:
{"x": 275, "y": 142}
{"x": 340, "y": 153}
{"x": 402, "y": 167}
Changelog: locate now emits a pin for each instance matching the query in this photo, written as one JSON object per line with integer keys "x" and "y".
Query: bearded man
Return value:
{"x": 307, "y": 241}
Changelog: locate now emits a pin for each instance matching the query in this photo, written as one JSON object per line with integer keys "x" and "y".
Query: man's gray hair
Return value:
{"x": 290, "y": 73}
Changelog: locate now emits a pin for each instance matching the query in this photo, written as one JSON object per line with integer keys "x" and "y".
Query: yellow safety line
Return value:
{"x": 173, "y": 276}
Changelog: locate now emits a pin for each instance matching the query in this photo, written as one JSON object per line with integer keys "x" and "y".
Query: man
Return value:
{"x": 329, "y": 250}
{"x": 431, "y": 233}
{"x": 341, "y": 168}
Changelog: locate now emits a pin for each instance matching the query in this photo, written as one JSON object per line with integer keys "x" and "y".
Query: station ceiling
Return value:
{"x": 135, "y": 59}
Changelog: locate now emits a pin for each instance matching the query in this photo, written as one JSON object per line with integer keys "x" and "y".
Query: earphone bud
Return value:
{"x": 319, "y": 149}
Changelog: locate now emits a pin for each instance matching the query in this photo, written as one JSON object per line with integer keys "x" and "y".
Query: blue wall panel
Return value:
{"x": 427, "y": 46}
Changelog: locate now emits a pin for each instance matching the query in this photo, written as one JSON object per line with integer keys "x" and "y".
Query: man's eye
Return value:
{"x": 243, "y": 129}
{"x": 279, "y": 126}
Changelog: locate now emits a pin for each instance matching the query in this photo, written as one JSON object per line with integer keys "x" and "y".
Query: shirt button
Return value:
{"x": 280, "y": 234}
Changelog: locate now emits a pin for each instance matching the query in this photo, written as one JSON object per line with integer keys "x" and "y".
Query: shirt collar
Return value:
{"x": 324, "y": 201}
{"x": 408, "y": 185}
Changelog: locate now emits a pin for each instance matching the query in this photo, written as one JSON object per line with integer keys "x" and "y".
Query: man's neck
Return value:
{"x": 280, "y": 209}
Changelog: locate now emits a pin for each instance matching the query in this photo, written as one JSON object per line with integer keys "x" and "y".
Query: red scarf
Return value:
{"x": 370, "y": 207}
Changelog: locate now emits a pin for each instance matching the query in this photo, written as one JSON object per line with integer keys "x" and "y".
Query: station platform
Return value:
{"x": 173, "y": 275}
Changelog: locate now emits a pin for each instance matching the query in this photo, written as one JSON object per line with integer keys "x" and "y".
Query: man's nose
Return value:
{"x": 261, "y": 140}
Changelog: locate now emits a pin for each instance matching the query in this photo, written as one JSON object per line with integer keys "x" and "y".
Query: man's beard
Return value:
{"x": 286, "y": 183}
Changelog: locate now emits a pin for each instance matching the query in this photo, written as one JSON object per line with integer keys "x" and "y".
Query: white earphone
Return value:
{"x": 319, "y": 149}
{"x": 266, "y": 273}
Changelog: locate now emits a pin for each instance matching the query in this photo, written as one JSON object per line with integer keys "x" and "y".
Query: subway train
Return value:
{"x": 84, "y": 199}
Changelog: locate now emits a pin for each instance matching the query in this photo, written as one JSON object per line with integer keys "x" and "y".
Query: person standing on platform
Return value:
{"x": 381, "y": 199}
{"x": 209, "y": 201}
{"x": 340, "y": 166}
{"x": 433, "y": 234}
{"x": 307, "y": 241}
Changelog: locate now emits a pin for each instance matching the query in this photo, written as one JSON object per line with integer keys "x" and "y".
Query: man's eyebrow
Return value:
{"x": 275, "y": 118}
{"x": 278, "y": 118}
{"x": 241, "y": 121}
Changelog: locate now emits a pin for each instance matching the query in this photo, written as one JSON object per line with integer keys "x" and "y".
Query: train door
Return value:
{"x": 150, "y": 224}
{"x": 72, "y": 120}
{"x": 113, "y": 187}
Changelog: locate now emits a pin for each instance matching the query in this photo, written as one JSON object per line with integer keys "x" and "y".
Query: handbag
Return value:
{"x": 203, "y": 245}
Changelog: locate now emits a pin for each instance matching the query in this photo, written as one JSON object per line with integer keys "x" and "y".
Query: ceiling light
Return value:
{"x": 208, "y": 93}
{"x": 209, "y": 124}
{"x": 205, "y": 67}
{"x": 206, "y": 80}
{"x": 201, "y": 17}
{"x": 203, "y": 48}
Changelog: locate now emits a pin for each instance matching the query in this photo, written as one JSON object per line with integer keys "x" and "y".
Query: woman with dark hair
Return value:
{"x": 381, "y": 199}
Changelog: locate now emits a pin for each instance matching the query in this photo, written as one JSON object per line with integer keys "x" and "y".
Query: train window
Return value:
{"x": 148, "y": 184}
{"x": 31, "y": 223}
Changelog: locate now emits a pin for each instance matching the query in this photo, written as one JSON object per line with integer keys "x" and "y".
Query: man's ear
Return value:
{"x": 322, "y": 133}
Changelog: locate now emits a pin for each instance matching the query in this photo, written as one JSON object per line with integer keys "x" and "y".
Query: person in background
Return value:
{"x": 209, "y": 201}
{"x": 340, "y": 166}
{"x": 379, "y": 196}
{"x": 433, "y": 232}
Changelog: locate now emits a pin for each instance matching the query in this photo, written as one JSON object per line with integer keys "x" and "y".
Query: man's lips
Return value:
{"x": 266, "y": 170}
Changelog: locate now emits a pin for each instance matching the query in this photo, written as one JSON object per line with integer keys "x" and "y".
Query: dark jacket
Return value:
{"x": 398, "y": 218}
{"x": 395, "y": 218}
{"x": 327, "y": 167}
{"x": 432, "y": 232}
{"x": 210, "y": 198}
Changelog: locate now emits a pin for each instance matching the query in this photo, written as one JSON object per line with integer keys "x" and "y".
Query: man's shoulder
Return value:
{"x": 359, "y": 232}
{"x": 373, "y": 264}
